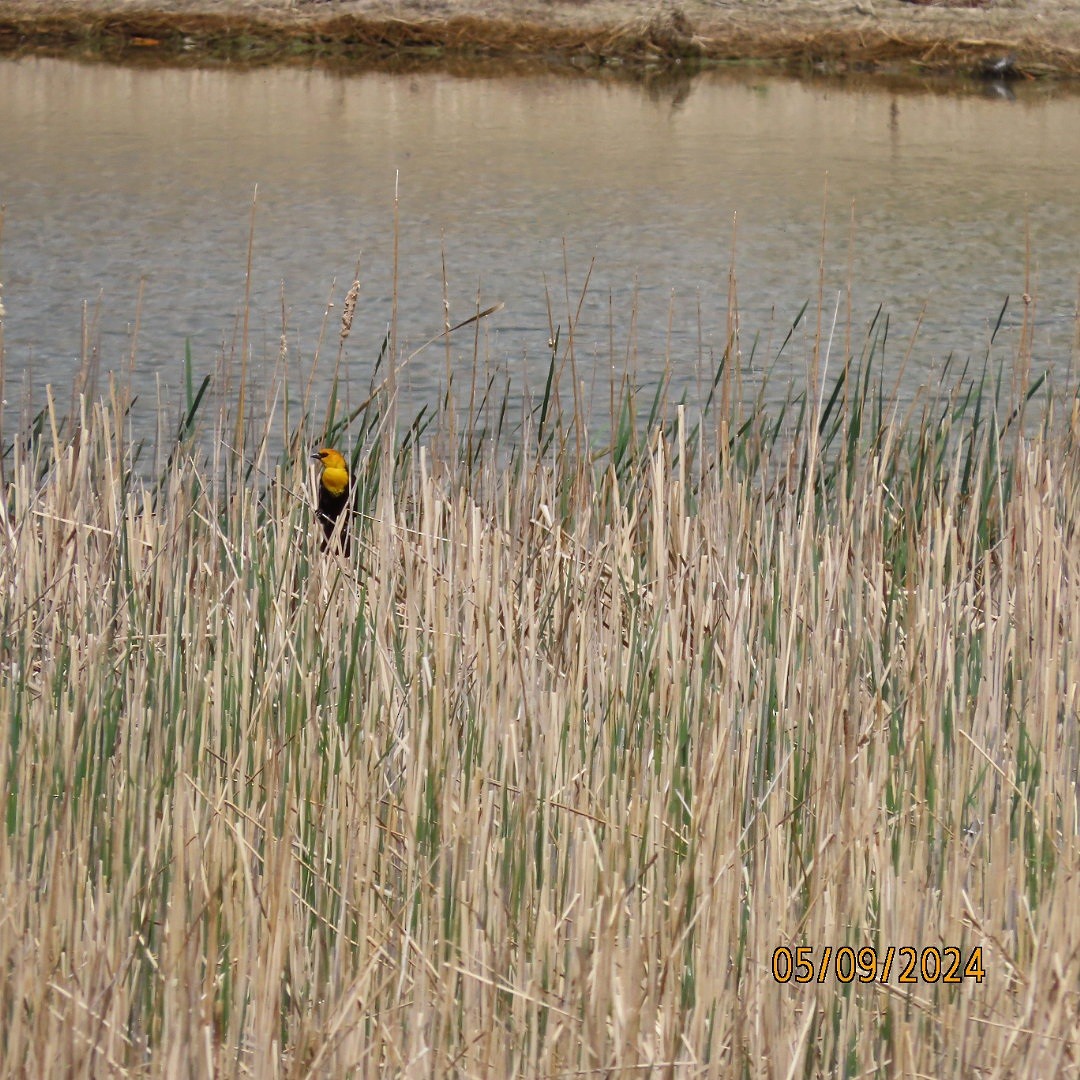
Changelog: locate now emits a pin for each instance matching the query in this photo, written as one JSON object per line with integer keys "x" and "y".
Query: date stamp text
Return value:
{"x": 905, "y": 964}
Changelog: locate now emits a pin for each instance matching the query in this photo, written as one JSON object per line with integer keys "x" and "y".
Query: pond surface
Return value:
{"x": 117, "y": 180}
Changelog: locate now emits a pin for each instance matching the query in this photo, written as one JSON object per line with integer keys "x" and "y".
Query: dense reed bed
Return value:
{"x": 544, "y": 779}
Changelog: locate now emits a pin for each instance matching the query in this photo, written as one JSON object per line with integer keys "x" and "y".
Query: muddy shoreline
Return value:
{"x": 1039, "y": 40}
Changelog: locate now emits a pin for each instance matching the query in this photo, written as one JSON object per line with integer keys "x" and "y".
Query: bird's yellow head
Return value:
{"x": 335, "y": 470}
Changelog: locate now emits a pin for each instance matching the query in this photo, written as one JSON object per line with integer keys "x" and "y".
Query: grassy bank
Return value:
{"x": 538, "y": 781}
{"x": 965, "y": 37}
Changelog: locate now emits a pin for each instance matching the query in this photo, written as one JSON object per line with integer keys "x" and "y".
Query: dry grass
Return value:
{"x": 1040, "y": 37}
{"x": 538, "y": 782}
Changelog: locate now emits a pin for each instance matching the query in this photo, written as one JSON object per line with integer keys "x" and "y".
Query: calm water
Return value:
{"x": 114, "y": 176}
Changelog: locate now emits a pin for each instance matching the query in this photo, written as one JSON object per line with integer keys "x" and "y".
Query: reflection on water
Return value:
{"x": 116, "y": 179}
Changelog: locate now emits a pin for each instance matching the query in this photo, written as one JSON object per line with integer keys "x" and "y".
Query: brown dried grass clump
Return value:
{"x": 666, "y": 32}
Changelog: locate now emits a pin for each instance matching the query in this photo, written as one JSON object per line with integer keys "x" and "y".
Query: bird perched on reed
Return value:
{"x": 333, "y": 497}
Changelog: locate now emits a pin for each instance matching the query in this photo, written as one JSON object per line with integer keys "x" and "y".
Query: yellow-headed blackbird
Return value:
{"x": 333, "y": 496}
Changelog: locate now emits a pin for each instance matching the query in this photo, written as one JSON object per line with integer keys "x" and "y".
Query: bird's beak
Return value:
{"x": 316, "y": 456}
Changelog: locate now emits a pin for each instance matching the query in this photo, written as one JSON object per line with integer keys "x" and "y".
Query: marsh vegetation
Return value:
{"x": 593, "y": 719}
